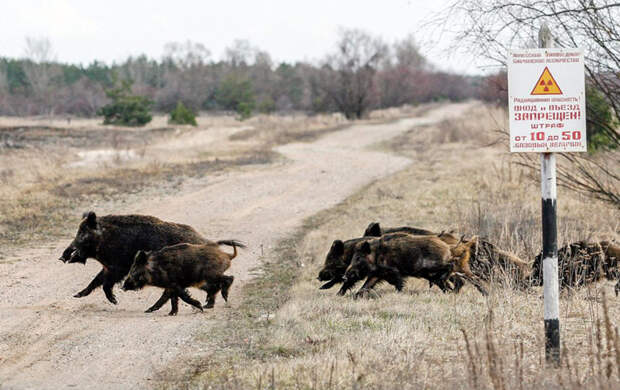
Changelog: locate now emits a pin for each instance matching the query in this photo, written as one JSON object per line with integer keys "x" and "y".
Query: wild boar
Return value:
{"x": 340, "y": 253}
{"x": 337, "y": 260}
{"x": 581, "y": 263}
{"x": 113, "y": 241}
{"x": 178, "y": 267}
{"x": 396, "y": 255}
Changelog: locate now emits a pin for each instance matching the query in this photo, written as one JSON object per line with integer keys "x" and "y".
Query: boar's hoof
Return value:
{"x": 150, "y": 310}
{"x": 81, "y": 294}
{"x": 172, "y": 313}
{"x": 209, "y": 305}
{"x": 112, "y": 299}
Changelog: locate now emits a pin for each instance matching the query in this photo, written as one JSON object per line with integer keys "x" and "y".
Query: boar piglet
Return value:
{"x": 177, "y": 267}
{"x": 337, "y": 260}
{"x": 396, "y": 256}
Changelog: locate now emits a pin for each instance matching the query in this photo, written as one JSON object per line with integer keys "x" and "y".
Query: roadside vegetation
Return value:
{"x": 289, "y": 334}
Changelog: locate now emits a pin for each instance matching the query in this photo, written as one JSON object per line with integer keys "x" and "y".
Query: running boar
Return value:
{"x": 177, "y": 267}
{"x": 113, "y": 241}
{"x": 337, "y": 260}
{"x": 581, "y": 263}
{"x": 341, "y": 252}
{"x": 395, "y": 256}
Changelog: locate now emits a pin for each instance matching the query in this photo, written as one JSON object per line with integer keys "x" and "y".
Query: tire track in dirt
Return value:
{"x": 50, "y": 340}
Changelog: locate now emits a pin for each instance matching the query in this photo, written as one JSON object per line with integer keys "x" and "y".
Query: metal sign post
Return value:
{"x": 546, "y": 88}
{"x": 550, "y": 240}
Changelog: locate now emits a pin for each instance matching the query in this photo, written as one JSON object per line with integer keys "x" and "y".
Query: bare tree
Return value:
{"x": 186, "y": 54}
{"x": 40, "y": 70}
{"x": 492, "y": 27}
{"x": 39, "y": 50}
{"x": 354, "y": 64}
{"x": 403, "y": 73}
{"x": 240, "y": 53}
{"x": 489, "y": 28}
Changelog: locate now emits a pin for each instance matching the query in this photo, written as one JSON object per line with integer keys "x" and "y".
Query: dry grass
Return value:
{"x": 304, "y": 338}
{"x": 51, "y": 170}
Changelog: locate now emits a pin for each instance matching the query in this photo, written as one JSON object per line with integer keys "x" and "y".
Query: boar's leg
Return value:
{"x": 346, "y": 286}
{"x": 390, "y": 275}
{"x": 184, "y": 295}
{"x": 111, "y": 277}
{"x": 213, "y": 287}
{"x": 617, "y": 288}
{"x": 174, "y": 301}
{"x": 98, "y": 281}
{"x": 226, "y": 282}
{"x": 160, "y": 302}
{"x": 457, "y": 282}
{"x": 331, "y": 283}
{"x": 369, "y": 284}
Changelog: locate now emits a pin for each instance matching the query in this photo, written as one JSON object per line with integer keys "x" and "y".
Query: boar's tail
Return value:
{"x": 234, "y": 244}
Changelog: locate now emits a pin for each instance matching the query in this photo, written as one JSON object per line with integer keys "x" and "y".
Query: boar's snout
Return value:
{"x": 66, "y": 254}
{"x": 77, "y": 257}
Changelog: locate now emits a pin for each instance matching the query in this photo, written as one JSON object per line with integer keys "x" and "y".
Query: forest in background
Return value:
{"x": 363, "y": 72}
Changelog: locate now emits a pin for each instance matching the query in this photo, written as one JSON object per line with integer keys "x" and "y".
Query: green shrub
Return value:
{"x": 236, "y": 93}
{"x": 126, "y": 109}
{"x": 244, "y": 109}
{"x": 267, "y": 105}
{"x": 600, "y": 117}
{"x": 182, "y": 115}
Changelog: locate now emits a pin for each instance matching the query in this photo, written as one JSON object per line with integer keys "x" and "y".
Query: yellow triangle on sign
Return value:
{"x": 546, "y": 85}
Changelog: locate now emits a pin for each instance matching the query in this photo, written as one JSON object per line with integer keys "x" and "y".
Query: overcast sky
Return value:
{"x": 83, "y": 30}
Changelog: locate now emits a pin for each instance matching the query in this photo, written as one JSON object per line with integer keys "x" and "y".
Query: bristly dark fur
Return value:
{"x": 581, "y": 263}
{"x": 375, "y": 230}
{"x": 396, "y": 256}
{"x": 113, "y": 241}
{"x": 177, "y": 267}
{"x": 341, "y": 252}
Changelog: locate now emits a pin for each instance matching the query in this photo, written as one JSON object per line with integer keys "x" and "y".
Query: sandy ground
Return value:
{"x": 50, "y": 340}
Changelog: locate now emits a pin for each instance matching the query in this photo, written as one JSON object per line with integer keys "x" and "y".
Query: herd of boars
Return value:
{"x": 392, "y": 254}
{"x": 141, "y": 250}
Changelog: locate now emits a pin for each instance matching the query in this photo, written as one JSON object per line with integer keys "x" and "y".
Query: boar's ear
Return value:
{"x": 91, "y": 219}
{"x": 140, "y": 258}
{"x": 474, "y": 240}
{"x": 337, "y": 247}
{"x": 365, "y": 248}
{"x": 373, "y": 230}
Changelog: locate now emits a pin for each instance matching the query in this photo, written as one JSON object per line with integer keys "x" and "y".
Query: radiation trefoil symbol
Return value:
{"x": 546, "y": 85}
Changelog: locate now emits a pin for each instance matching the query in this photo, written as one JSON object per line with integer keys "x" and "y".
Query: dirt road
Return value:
{"x": 50, "y": 340}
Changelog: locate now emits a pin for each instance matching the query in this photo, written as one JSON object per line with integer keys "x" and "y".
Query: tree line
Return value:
{"x": 363, "y": 72}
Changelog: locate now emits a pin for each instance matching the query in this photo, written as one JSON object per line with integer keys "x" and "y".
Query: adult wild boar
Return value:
{"x": 177, "y": 267}
{"x": 113, "y": 241}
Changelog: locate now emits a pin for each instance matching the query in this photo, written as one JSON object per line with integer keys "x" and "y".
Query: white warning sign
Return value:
{"x": 546, "y": 100}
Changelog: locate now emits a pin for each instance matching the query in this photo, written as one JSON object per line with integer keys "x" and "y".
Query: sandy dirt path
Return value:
{"x": 50, "y": 340}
